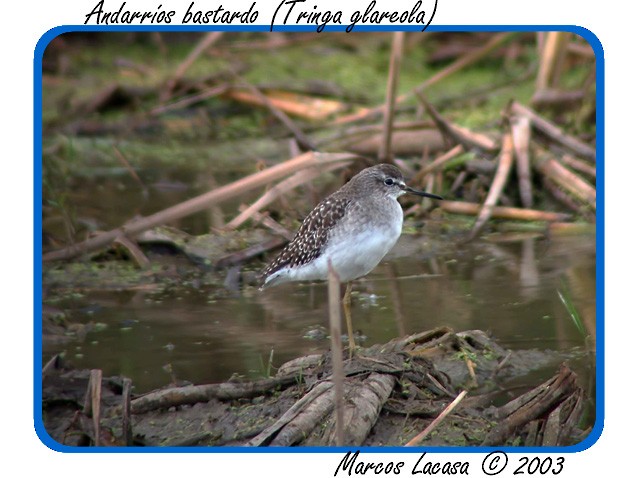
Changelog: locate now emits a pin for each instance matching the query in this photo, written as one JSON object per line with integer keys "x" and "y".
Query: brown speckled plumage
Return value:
{"x": 354, "y": 228}
{"x": 312, "y": 237}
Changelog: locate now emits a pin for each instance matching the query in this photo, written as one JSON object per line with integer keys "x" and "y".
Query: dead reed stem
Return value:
{"x": 552, "y": 55}
{"x": 419, "y": 438}
{"x": 438, "y": 163}
{"x": 335, "y": 345}
{"x": 297, "y": 179}
{"x": 385, "y": 151}
{"x": 92, "y": 402}
{"x": 552, "y": 131}
{"x": 521, "y": 134}
{"x": 500, "y": 179}
{"x": 578, "y": 165}
{"x": 199, "y": 203}
{"x": 568, "y": 180}
{"x": 502, "y": 212}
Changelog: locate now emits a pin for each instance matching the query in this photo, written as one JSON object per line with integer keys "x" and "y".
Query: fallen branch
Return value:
{"x": 364, "y": 401}
{"x": 133, "y": 251}
{"x": 502, "y": 212}
{"x": 191, "y": 394}
{"x": 199, "y": 203}
{"x": 568, "y": 180}
{"x": 561, "y": 421}
{"x": 310, "y": 408}
{"x": 552, "y": 131}
{"x": 532, "y": 405}
{"x": 563, "y": 197}
{"x": 578, "y": 165}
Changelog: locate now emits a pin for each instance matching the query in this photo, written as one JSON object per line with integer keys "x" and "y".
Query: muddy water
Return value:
{"x": 196, "y": 333}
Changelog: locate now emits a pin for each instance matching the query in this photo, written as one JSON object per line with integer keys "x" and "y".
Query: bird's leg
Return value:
{"x": 346, "y": 310}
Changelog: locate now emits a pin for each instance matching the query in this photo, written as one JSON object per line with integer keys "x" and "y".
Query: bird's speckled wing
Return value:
{"x": 312, "y": 237}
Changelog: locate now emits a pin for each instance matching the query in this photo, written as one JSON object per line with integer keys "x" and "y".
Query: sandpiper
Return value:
{"x": 352, "y": 229}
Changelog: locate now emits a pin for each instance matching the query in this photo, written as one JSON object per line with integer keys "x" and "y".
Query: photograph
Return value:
{"x": 376, "y": 239}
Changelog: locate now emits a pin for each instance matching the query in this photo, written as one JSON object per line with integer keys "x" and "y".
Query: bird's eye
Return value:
{"x": 389, "y": 181}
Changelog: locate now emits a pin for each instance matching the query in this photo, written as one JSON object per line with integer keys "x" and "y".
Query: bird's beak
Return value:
{"x": 409, "y": 190}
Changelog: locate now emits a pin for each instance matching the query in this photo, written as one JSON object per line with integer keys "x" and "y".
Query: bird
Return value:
{"x": 351, "y": 231}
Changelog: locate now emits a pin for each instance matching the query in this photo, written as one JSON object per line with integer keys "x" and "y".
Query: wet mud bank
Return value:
{"x": 393, "y": 393}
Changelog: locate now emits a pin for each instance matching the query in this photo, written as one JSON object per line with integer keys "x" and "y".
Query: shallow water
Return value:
{"x": 202, "y": 336}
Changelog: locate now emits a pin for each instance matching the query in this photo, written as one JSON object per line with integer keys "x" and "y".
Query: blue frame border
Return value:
{"x": 597, "y": 429}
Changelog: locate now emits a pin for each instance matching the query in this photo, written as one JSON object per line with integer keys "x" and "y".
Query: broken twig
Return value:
{"x": 500, "y": 178}
{"x": 419, "y": 438}
{"x": 438, "y": 163}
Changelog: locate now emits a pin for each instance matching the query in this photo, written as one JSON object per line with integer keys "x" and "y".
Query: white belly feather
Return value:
{"x": 351, "y": 259}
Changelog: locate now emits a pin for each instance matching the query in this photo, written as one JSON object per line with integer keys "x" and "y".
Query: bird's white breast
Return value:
{"x": 355, "y": 251}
